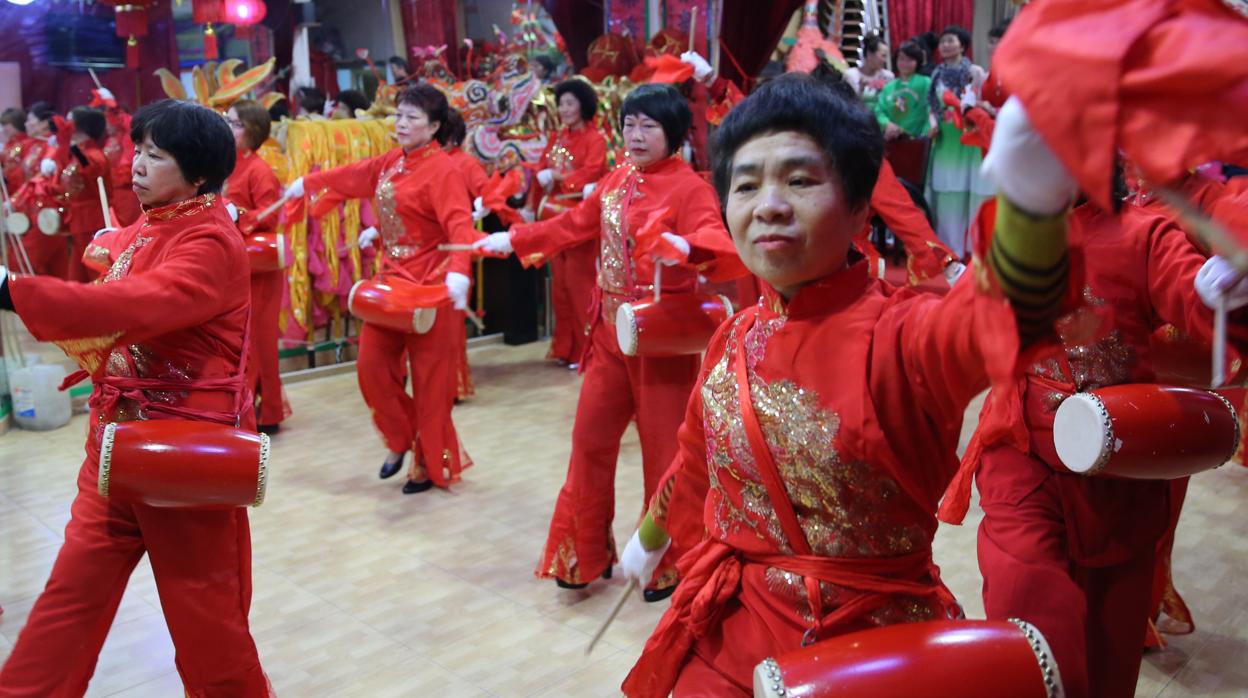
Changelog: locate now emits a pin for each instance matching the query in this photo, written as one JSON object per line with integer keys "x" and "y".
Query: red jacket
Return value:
{"x": 253, "y": 187}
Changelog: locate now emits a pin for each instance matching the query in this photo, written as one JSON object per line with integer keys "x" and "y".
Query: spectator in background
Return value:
{"x": 311, "y": 101}
{"x": 870, "y": 77}
{"x": 954, "y": 187}
{"x": 280, "y": 110}
{"x": 929, "y": 43}
{"x": 544, "y": 68}
{"x": 399, "y": 69}
{"x": 347, "y": 103}
{"x": 902, "y": 107}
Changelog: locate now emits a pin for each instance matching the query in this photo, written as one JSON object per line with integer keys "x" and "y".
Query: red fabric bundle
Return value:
{"x": 500, "y": 188}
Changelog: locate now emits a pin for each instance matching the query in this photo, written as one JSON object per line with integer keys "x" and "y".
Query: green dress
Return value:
{"x": 904, "y": 103}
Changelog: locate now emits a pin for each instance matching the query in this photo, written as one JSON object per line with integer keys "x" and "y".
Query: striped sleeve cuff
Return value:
{"x": 1029, "y": 259}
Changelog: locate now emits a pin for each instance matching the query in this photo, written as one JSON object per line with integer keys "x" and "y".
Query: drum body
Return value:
{"x": 49, "y": 221}
{"x": 267, "y": 252}
{"x": 677, "y": 324}
{"x": 935, "y": 659}
{"x": 181, "y": 464}
{"x": 1145, "y": 431}
{"x": 17, "y": 223}
{"x": 396, "y": 303}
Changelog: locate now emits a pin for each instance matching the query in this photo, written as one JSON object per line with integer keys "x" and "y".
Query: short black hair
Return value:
{"x": 456, "y": 130}
{"x": 15, "y": 117}
{"x": 846, "y": 132}
{"x": 43, "y": 111}
{"x": 914, "y": 50}
{"x": 433, "y": 103}
{"x": 664, "y": 104}
{"x": 964, "y": 37}
{"x": 999, "y": 30}
{"x": 90, "y": 122}
{"x": 311, "y": 100}
{"x": 279, "y": 110}
{"x": 584, "y": 94}
{"x": 871, "y": 44}
{"x": 929, "y": 41}
{"x": 353, "y": 99}
{"x": 401, "y": 62}
{"x": 545, "y": 62}
{"x": 197, "y": 138}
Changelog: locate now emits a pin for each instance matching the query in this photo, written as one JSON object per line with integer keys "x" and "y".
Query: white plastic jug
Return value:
{"x": 37, "y": 404}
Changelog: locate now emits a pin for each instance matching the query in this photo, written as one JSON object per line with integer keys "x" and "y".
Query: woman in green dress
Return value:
{"x": 901, "y": 106}
{"x": 954, "y": 187}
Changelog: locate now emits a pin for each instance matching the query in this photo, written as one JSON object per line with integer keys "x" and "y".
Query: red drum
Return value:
{"x": 675, "y": 325}
{"x": 182, "y": 464}
{"x": 1145, "y": 431}
{"x": 396, "y": 303}
{"x": 267, "y": 252}
{"x": 935, "y": 659}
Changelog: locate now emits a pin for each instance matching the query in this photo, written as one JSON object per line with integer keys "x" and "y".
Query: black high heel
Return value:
{"x": 389, "y": 470}
{"x": 412, "y": 487}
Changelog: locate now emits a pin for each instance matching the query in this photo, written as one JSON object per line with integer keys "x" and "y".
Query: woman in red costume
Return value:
{"x": 476, "y": 178}
{"x": 422, "y": 202}
{"x": 16, "y": 144}
{"x": 79, "y": 159}
{"x": 618, "y": 389}
{"x": 823, "y": 428}
{"x": 49, "y": 254}
{"x": 120, "y": 153}
{"x": 171, "y": 312}
{"x": 575, "y": 158}
{"x": 252, "y": 188}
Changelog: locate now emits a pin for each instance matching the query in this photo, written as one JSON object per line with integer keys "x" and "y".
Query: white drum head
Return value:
{"x": 351, "y": 296}
{"x": 17, "y": 223}
{"x": 1083, "y": 434}
{"x": 281, "y": 252}
{"x": 423, "y": 319}
{"x": 768, "y": 683}
{"x": 49, "y": 221}
{"x": 626, "y": 329}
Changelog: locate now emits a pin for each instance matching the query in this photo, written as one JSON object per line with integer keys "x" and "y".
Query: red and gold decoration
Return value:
{"x": 207, "y": 13}
{"x": 131, "y": 24}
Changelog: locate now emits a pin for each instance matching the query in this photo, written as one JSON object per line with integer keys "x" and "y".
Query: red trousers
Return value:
{"x": 1165, "y": 598}
{"x": 616, "y": 390}
{"x": 462, "y": 388}
{"x": 573, "y": 276}
{"x": 420, "y": 422}
{"x": 1093, "y": 615}
{"x": 262, "y": 363}
{"x": 202, "y": 564}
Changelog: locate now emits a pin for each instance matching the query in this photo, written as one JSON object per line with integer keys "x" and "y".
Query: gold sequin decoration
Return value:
{"x": 614, "y": 265}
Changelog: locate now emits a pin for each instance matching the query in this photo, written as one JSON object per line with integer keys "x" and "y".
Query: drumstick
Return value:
{"x": 693, "y": 26}
{"x": 476, "y": 321}
{"x": 1219, "y": 342}
{"x": 269, "y": 211}
{"x": 108, "y": 221}
{"x": 96, "y": 80}
{"x": 456, "y": 248}
{"x": 658, "y": 279}
{"x": 615, "y": 611}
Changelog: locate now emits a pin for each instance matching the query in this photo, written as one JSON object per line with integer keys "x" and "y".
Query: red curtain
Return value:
{"x": 751, "y": 29}
{"x": 579, "y": 23}
{"x": 909, "y": 18}
{"x": 23, "y": 40}
{"x": 431, "y": 23}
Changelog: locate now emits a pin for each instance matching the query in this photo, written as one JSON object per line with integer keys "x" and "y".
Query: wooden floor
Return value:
{"x": 361, "y": 591}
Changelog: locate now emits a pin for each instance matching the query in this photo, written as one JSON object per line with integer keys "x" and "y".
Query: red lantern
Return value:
{"x": 244, "y": 13}
{"x": 131, "y": 19}
{"x": 207, "y": 11}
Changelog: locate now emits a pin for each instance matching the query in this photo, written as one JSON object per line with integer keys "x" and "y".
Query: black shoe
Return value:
{"x": 269, "y": 429}
{"x": 653, "y": 595}
{"x": 411, "y": 487}
{"x": 606, "y": 574}
{"x": 389, "y": 470}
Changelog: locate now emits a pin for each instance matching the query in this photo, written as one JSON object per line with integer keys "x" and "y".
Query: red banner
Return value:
{"x": 627, "y": 17}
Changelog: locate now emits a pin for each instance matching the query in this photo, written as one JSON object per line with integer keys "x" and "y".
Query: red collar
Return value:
{"x": 181, "y": 209}
{"x": 822, "y": 296}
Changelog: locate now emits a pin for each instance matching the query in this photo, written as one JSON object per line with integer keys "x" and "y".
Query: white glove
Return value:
{"x": 954, "y": 271}
{"x": 295, "y": 190}
{"x": 679, "y": 243}
{"x": 368, "y": 236}
{"x": 479, "y": 210}
{"x": 47, "y": 167}
{"x": 101, "y": 231}
{"x": 546, "y": 178}
{"x": 588, "y": 189}
{"x": 701, "y": 69}
{"x": 968, "y": 98}
{"x": 1218, "y": 279}
{"x": 233, "y": 211}
{"x": 527, "y": 214}
{"x": 639, "y": 563}
{"x": 495, "y": 243}
{"x": 457, "y": 286}
{"x": 1023, "y": 166}
{"x": 106, "y": 93}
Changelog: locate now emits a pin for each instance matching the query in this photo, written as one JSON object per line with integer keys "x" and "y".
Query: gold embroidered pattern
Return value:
{"x": 1094, "y": 363}
{"x": 182, "y": 209}
{"x": 388, "y": 222}
{"x": 614, "y": 269}
{"x": 121, "y": 267}
{"x": 88, "y": 352}
{"x": 563, "y": 563}
{"x": 844, "y": 506}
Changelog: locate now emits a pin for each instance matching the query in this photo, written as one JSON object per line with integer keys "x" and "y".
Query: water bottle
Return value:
{"x": 37, "y": 404}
